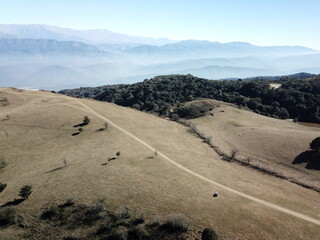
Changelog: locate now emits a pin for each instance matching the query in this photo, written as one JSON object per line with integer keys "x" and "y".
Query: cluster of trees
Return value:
{"x": 299, "y": 98}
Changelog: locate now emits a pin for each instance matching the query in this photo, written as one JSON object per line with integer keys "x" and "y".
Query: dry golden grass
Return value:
{"x": 37, "y": 138}
{"x": 267, "y": 142}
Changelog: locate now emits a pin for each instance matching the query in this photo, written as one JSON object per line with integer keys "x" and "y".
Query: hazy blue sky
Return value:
{"x": 261, "y": 22}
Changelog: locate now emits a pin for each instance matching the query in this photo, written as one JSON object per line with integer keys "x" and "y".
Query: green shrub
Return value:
{"x": 8, "y": 216}
{"x": 176, "y": 223}
{"x": 118, "y": 234}
{"x": 118, "y": 154}
{"x": 80, "y": 129}
{"x": 2, "y": 186}
{"x": 25, "y": 191}
{"x": 209, "y": 234}
{"x": 138, "y": 233}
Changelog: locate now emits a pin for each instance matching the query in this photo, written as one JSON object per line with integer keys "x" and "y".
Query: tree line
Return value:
{"x": 296, "y": 98}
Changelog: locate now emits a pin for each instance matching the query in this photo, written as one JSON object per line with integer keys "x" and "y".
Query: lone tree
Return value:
{"x": 25, "y": 191}
{"x": 118, "y": 154}
{"x": 86, "y": 120}
{"x": 315, "y": 144}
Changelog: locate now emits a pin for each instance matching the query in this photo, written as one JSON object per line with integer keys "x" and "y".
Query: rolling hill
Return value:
{"x": 40, "y": 148}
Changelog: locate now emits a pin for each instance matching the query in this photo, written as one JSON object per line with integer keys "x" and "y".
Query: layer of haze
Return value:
{"x": 272, "y": 22}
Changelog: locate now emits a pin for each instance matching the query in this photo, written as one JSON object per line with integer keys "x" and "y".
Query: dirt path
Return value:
{"x": 263, "y": 202}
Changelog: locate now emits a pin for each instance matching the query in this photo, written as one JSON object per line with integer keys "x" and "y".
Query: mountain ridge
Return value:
{"x": 93, "y": 36}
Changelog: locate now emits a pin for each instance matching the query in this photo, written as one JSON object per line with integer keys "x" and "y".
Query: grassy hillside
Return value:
{"x": 280, "y": 146}
{"x": 37, "y": 143}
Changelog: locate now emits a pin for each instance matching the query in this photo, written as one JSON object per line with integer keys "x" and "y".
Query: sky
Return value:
{"x": 260, "y": 22}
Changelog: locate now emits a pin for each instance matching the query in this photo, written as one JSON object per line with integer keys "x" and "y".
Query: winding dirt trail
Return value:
{"x": 263, "y": 202}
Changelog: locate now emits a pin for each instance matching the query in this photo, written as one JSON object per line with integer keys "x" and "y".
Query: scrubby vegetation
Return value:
{"x": 176, "y": 223}
{"x": 8, "y": 216}
{"x": 95, "y": 221}
{"x": 298, "y": 98}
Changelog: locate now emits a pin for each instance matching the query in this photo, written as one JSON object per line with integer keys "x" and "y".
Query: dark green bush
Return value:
{"x": 209, "y": 234}
{"x": 25, "y": 191}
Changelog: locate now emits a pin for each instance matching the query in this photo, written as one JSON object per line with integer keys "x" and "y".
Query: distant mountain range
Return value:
{"x": 49, "y": 57}
{"x": 206, "y": 49}
{"x": 94, "y": 36}
{"x": 46, "y": 46}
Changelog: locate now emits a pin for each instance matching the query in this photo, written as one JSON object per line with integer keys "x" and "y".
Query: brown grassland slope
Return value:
{"x": 37, "y": 138}
{"x": 278, "y": 145}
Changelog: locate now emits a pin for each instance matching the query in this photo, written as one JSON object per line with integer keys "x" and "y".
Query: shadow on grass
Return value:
{"x": 80, "y": 125}
{"x": 14, "y": 202}
{"x": 310, "y": 157}
{"x": 53, "y": 170}
{"x": 40, "y": 127}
